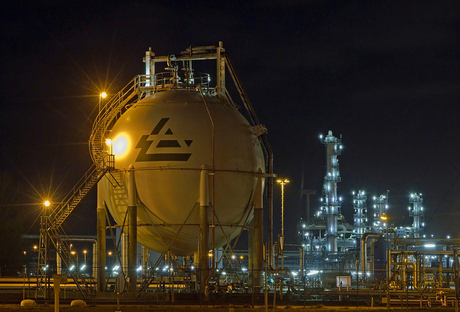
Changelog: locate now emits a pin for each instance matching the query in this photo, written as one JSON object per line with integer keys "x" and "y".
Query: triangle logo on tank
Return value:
{"x": 144, "y": 144}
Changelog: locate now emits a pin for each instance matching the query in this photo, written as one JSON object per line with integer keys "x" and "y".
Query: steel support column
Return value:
{"x": 101, "y": 239}
{"x": 204, "y": 228}
{"x": 258, "y": 236}
{"x": 132, "y": 231}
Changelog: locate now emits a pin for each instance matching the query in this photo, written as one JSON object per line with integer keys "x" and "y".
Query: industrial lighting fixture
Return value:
{"x": 282, "y": 183}
{"x": 103, "y": 95}
{"x": 47, "y": 203}
{"x": 384, "y": 218}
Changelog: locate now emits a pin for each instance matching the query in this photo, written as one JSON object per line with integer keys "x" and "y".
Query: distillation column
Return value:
{"x": 417, "y": 213}
{"x": 380, "y": 209}
{"x": 331, "y": 202}
{"x": 360, "y": 213}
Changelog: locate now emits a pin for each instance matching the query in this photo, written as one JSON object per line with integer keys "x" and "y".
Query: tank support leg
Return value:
{"x": 204, "y": 230}
{"x": 132, "y": 232}
{"x": 101, "y": 241}
{"x": 258, "y": 237}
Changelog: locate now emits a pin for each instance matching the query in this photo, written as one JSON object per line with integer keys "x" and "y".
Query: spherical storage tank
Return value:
{"x": 168, "y": 137}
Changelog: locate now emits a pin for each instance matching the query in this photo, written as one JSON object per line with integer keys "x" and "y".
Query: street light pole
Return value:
{"x": 103, "y": 95}
{"x": 282, "y": 183}
{"x": 43, "y": 251}
{"x": 384, "y": 218}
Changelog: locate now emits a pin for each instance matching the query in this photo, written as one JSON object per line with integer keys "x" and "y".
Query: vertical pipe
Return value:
{"x": 57, "y": 286}
{"x": 371, "y": 265}
{"x": 270, "y": 208}
{"x": 388, "y": 273}
{"x": 58, "y": 260}
{"x": 220, "y": 84}
{"x": 124, "y": 246}
{"x": 456, "y": 278}
{"x": 204, "y": 228}
{"x": 101, "y": 239}
{"x": 301, "y": 263}
{"x": 147, "y": 67}
{"x": 258, "y": 236}
{"x": 132, "y": 231}
{"x": 95, "y": 259}
{"x": 251, "y": 250}
{"x": 145, "y": 261}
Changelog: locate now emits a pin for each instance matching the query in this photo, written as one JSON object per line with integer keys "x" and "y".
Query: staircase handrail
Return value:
{"x": 101, "y": 166}
{"x": 109, "y": 112}
{"x": 60, "y": 241}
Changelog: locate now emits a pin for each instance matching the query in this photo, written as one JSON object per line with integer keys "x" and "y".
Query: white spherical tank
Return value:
{"x": 168, "y": 137}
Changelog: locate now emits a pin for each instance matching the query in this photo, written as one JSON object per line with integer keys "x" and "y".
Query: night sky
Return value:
{"x": 383, "y": 74}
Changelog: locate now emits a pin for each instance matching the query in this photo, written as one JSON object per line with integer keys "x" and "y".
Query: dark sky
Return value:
{"x": 384, "y": 74}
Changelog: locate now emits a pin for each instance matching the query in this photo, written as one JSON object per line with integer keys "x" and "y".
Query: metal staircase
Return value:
{"x": 52, "y": 230}
{"x": 149, "y": 279}
{"x": 110, "y": 113}
{"x": 79, "y": 191}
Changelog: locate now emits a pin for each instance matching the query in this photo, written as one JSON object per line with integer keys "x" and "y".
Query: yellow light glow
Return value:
{"x": 210, "y": 254}
{"x": 84, "y": 251}
{"x": 383, "y": 217}
{"x": 121, "y": 145}
{"x": 35, "y": 247}
{"x": 283, "y": 181}
{"x": 103, "y": 95}
{"x": 47, "y": 203}
{"x": 108, "y": 142}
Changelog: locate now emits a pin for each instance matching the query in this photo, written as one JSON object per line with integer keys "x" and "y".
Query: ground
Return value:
{"x": 179, "y": 308}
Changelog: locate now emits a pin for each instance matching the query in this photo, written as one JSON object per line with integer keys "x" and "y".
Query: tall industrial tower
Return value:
{"x": 380, "y": 208}
{"x": 417, "y": 213}
{"x": 360, "y": 213}
{"x": 331, "y": 202}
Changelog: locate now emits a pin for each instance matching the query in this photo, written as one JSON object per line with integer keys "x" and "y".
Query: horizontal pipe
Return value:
{"x": 419, "y": 241}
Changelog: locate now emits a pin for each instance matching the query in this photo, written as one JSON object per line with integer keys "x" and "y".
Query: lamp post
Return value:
{"x": 282, "y": 183}
{"x": 103, "y": 95}
{"x": 75, "y": 254}
{"x": 384, "y": 218}
{"x": 43, "y": 251}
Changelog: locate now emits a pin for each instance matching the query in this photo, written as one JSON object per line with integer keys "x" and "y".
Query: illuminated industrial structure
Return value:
{"x": 331, "y": 204}
{"x": 165, "y": 140}
{"x": 417, "y": 213}
{"x": 380, "y": 209}
{"x": 360, "y": 213}
{"x": 182, "y": 172}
